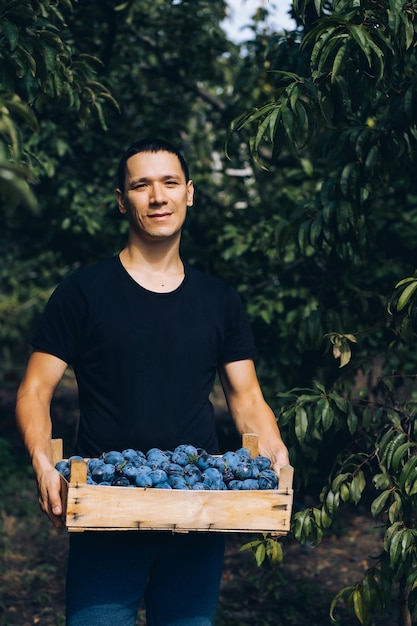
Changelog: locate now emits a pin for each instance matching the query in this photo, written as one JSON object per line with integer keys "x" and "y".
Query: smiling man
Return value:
{"x": 146, "y": 334}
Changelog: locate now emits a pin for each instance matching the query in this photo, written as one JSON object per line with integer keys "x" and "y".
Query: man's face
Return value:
{"x": 156, "y": 195}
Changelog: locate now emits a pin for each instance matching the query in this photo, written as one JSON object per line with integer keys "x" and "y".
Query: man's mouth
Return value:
{"x": 159, "y": 215}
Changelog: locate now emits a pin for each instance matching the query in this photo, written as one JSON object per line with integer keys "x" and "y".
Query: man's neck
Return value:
{"x": 157, "y": 267}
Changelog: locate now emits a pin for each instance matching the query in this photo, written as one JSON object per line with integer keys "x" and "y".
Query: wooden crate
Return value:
{"x": 95, "y": 507}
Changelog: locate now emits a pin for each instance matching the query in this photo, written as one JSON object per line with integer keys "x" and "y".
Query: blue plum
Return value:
{"x": 244, "y": 470}
{"x": 262, "y": 462}
{"x": 143, "y": 480}
{"x": 158, "y": 476}
{"x": 113, "y": 457}
{"x": 120, "y": 481}
{"x": 267, "y": 479}
{"x": 243, "y": 453}
{"x": 249, "y": 484}
{"x": 130, "y": 471}
{"x": 177, "y": 482}
{"x": 103, "y": 473}
{"x": 63, "y": 468}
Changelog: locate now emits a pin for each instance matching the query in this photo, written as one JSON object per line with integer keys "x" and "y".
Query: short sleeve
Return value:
{"x": 238, "y": 338}
{"x": 60, "y": 327}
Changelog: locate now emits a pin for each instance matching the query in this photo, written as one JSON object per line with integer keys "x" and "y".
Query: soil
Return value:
{"x": 297, "y": 592}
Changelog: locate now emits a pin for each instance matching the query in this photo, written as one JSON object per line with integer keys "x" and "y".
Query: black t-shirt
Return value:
{"x": 145, "y": 362}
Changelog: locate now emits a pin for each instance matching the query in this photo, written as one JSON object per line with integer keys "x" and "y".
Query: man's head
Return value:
{"x": 150, "y": 144}
{"x": 154, "y": 190}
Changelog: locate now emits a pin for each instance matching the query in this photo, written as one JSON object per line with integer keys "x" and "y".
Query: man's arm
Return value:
{"x": 250, "y": 411}
{"x": 43, "y": 373}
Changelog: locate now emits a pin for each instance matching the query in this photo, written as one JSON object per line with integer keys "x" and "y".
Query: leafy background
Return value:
{"x": 302, "y": 149}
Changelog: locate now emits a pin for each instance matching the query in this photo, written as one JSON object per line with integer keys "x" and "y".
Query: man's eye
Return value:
{"x": 171, "y": 183}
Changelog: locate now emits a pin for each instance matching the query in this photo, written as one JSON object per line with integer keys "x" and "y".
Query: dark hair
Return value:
{"x": 148, "y": 145}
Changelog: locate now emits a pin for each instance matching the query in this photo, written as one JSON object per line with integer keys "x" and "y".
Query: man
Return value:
{"x": 146, "y": 334}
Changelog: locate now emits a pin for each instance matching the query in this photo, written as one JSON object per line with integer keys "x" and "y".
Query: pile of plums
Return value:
{"x": 186, "y": 467}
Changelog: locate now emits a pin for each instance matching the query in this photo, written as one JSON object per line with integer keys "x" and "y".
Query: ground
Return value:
{"x": 298, "y": 592}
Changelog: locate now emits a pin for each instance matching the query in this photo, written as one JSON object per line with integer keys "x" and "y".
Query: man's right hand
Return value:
{"x": 49, "y": 495}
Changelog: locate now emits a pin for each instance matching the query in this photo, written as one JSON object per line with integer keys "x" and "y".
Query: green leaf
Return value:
{"x": 399, "y": 454}
{"x": 11, "y": 32}
{"x": 301, "y": 423}
{"x": 260, "y": 554}
{"x": 356, "y": 487}
{"x": 339, "y": 63}
{"x": 303, "y": 236}
{"x": 348, "y": 180}
{"x": 302, "y": 525}
{"x": 361, "y": 609}
{"x": 342, "y": 592}
{"x": 378, "y": 504}
{"x": 332, "y": 502}
{"x": 406, "y": 295}
{"x": 408, "y": 473}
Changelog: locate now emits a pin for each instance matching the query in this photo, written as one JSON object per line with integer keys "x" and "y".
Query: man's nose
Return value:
{"x": 157, "y": 194}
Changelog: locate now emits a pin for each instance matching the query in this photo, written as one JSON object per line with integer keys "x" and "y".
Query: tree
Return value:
{"x": 344, "y": 109}
{"x": 38, "y": 67}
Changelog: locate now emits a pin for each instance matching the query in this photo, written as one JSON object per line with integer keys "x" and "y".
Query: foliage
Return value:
{"x": 343, "y": 107}
{"x": 37, "y": 65}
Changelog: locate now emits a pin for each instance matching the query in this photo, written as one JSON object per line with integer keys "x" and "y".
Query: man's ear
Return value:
{"x": 190, "y": 193}
{"x": 120, "y": 202}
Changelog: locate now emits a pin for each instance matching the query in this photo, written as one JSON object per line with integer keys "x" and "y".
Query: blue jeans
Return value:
{"x": 178, "y": 575}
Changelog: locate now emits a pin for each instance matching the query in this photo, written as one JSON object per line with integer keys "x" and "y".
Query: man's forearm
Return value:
{"x": 34, "y": 424}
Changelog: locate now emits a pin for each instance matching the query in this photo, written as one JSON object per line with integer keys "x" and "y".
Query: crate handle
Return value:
{"x": 286, "y": 476}
{"x": 250, "y": 442}
{"x": 57, "y": 448}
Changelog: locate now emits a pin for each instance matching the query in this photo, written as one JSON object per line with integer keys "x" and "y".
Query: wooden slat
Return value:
{"x": 121, "y": 508}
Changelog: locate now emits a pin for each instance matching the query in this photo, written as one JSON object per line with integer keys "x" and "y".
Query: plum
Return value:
{"x": 120, "y": 481}
{"x": 191, "y": 475}
{"x": 130, "y": 471}
{"x": 63, "y": 468}
{"x": 243, "y": 453}
{"x": 104, "y": 472}
{"x": 198, "y": 487}
{"x": 188, "y": 449}
{"x": 113, "y": 457}
{"x": 130, "y": 455}
{"x": 92, "y": 464}
{"x": 262, "y": 462}
{"x": 203, "y": 460}
{"x": 174, "y": 468}
{"x": 177, "y": 482}
{"x": 158, "y": 476}
{"x": 249, "y": 484}
{"x": 267, "y": 479}
{"x": 244, "y": 470}
{"x": 231, "y": 459}
{"x": 143, "y": 480}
